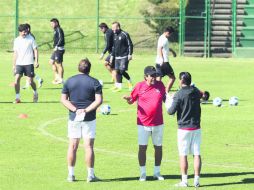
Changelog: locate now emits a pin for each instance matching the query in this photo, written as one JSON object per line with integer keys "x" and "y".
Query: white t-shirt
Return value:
{"x": 24, "y": 47}
{"x": 164, "y": 44}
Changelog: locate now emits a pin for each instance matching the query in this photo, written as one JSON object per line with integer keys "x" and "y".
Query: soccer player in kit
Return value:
{"x": 25, "y": 58}
{"x": 109, "y": 37}
{"x": 82, "y": 95}
{"x": 186, "y": 102}
{"x": 162, "y": 63}
{"x": 37, "y": 77}
{"x": 149, "y": 95}
{"x": 122, "y": 53}
{"x": 56, "y": 59}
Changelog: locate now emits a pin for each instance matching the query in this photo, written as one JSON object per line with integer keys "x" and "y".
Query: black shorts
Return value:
{"x": 27, "y": 70}
{"x": 122, "y": 64}
{"x": 164, "y": 69}
{"x": 57, "y": 56}
{"x": 112, "y": 65}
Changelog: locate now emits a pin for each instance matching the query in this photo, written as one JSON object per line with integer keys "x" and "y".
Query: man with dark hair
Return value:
{"x": 162, "y": 63}
{"x": 122, "y": 53}
{"x": 149, "y": 95}
{"x": 25, "y": 58}
{"x": 56, "y": 59}
{"x": 82, "y": 95}
{"x": 37, "y": 77}
{"x": 109, "y": 37}
{"x": 186, "y": 102}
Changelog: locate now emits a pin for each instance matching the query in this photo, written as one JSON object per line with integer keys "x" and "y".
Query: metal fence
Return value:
{"x": 206, "y": 28}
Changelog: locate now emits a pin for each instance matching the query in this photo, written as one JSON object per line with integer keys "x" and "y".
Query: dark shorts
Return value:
{"x": 112, "y": 65}
{"x": 121, "y": 64}
{"x": 27, "y": 70}
{"x": 57, "y": 56}
{"x": 164, "y": 69}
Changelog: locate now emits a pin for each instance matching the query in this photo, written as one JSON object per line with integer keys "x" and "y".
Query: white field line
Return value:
{"x": 42, "y": 129}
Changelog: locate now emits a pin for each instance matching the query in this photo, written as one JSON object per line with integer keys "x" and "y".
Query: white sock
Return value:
{"x": 156, "y": 169}
{"x": 71, "y": 170}
{"x": 196, "y": 179}
{"x": 184, "y": 178}
{"x": 90, "y": 172}
{"x": 35, "y": 92}
{"x": 17, "y": 96}
{"x": 37, "y": 77}
{"x": 142, "y": 170}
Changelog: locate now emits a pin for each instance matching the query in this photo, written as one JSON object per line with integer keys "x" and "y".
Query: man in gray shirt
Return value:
{"x": 186, "y": 102}
{"x": 82, "y": 95}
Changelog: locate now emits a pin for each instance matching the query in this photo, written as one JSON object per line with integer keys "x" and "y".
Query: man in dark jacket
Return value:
{"x": 186, "y": 102}
{"x": 122, "y": 53}
{"x": 56, "y": 59}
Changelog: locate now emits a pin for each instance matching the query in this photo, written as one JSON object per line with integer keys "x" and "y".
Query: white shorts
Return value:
{"x": 156, "y": 132}
{"x": 189, "y": 142}
{"x": 81, "y": 129}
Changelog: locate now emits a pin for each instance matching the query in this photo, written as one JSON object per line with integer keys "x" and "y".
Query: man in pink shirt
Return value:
{"x": 149, "y": 95}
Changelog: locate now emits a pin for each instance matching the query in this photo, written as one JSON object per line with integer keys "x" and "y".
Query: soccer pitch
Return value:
{"x": 33, "y": 150}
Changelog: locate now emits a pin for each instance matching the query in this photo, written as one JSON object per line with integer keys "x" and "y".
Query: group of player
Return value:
{"x": 25, "y": 58}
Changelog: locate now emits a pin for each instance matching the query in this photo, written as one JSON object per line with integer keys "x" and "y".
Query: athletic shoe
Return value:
{"x": 40, "y": 81}
{"x": 35, "y": 98}
{"x": 181, "y": 184}
{"x": 17, "y": 101}
{"x": 130, "y": 86}
{"x": 71, "y": 178}
{"x": 57, "y": 82}
{"x": 158, "y": 176}
{"x": 196, "y": 184}
{"x": 117, "y": 90}
{"x": 142, "y": 177}
{"x": 92, "y": 179}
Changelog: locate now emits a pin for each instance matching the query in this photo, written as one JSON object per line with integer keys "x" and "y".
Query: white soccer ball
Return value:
{"x": 217, "y": 101}
{"x": 101, "y": 82}
{"x": 233, "y": 101}
{"x": 105, "y": 109}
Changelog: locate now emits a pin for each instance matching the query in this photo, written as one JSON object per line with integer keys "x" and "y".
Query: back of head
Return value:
{"x": 169, "y": 29}
{"x": 55, "y": 20}
{"x": 84, "y": 66}
{"x": 22, "y": 27}
{"x": 185, "y": 77}
{"x": 28, "y": 27}
{"x": 103, "y": 25}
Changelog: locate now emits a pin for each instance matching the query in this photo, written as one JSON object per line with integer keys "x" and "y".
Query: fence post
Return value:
{"x": 16, "y": 18}
{"x": 234, "y": 30}
{"x": 180, "y": 28}
{"x": 97, "y": 24}
{"x": 208, "y": 28}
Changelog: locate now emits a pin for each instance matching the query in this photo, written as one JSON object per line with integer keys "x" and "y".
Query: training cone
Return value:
{"x": 23, "y": 116}
{"x": 12, "y": 84}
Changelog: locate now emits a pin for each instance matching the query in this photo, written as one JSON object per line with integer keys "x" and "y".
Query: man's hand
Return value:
{"x": 111, "y": 59}
{"x": 36, "y": 64}
{"x": 129, "y": 57}
{"x": 128, "y": 99}
{"x": 14, "y": 69}
{"x": 102, "y": 55}
{"x": 55, "y": 49}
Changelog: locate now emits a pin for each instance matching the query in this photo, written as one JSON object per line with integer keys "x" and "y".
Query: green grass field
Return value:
{"x": 33, "y": 150}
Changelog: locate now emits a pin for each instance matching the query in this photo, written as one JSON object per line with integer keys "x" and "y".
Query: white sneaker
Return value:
{"x": 71, "y": 178}
{"x": 142, "y": 177}
{"x": 92, "y": 179}
{"x": 40, "y": 81}
{"x": 158, "y": 176}
{"x": 181, "y": 184}
{"x": 196, "y": 184}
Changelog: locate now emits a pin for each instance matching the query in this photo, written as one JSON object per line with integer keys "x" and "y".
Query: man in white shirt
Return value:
{"x": 162, "y": 63}
{"x": 25, "y": 58}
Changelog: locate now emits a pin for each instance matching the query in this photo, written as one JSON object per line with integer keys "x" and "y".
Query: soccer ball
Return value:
{"x": 217, "y": 101}
{"x": 233, "y": 101}
{"x": 105, "y": 109}
{"x": 101, "y": 82}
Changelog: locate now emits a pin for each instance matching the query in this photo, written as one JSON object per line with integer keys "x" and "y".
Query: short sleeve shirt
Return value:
{"x": 164, "y": 44}
{"x": 81, "y": 90}
{"x": 149, "y": 100}
{"x": 24, "y": 47}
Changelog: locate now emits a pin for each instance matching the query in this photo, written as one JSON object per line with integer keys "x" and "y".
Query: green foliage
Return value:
{"x": 160, "y": 14}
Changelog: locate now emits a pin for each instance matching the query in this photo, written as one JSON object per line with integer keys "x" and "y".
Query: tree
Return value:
{"x": 161, "y": 14}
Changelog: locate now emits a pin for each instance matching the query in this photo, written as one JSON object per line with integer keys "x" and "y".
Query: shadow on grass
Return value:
{"x": 40, "y": 102}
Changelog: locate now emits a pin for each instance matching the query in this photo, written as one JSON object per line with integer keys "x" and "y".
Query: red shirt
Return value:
{"x": 149, "y": 99}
